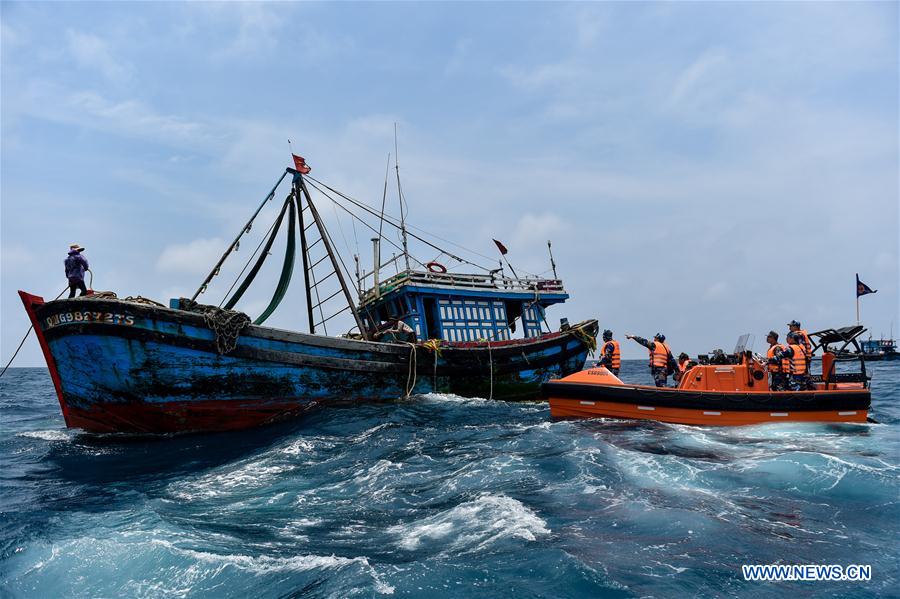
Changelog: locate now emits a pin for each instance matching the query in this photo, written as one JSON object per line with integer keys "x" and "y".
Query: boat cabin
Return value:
{"x": 461, "y": 307}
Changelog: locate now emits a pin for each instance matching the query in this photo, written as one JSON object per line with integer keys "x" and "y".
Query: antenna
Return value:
{"x": 400, "y": 195}
{"x": 552, "y": 263}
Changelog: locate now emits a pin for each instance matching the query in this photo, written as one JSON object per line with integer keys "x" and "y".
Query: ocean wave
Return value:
{"x": 49, "y": 435}
{"x": 249, "y": 476}
{"x": 472, "y": 526}
{"x": 83, "y": 566}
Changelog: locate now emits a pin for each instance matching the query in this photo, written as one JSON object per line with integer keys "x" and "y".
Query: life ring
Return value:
{"x": 436, "y": 267}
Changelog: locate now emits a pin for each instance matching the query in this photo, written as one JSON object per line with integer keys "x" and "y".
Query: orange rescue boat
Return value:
{"x": 733, "y": 392}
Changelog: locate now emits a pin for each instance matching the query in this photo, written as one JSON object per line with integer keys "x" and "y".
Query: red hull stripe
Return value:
{"x": 30, "y": 302}
{"x": 176, "y": 417}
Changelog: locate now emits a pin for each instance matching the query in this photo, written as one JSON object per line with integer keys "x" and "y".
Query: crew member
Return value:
{"x": 796, "y": 355}
{"x": 684, "y": 364}
{"x": 610, "y": 356}
{"x": 778, "y": 367}
{"x": 661, "y": 360}
{"x": 794, "y": 327}
{"x": 76, "y": 265}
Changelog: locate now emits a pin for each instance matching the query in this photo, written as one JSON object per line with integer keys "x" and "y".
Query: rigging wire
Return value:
{"x": 372, "y": 211}
{"x": 249, "y": 260}
{"x": 340, "y": 228}
{"x": 355, "y": 216}
{"x": 22, "y": 342}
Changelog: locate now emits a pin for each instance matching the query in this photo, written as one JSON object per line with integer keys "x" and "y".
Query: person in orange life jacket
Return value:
{"x": 778, "y": 367}
{"x": 684, "y": 364}
{"x": 662, "y": 362}
{"x": 796, "y": 355}
{"x": 794, "y": 327}
{"x": 610, "y": 356}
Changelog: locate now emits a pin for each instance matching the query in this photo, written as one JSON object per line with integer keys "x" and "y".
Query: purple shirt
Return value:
{"x": 76, "y": 264}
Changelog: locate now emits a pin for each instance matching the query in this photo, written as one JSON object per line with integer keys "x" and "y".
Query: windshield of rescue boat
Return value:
{"x": 744, "y": 343}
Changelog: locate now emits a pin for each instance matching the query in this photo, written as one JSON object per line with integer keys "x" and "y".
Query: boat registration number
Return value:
{"x": 104, "y": 317}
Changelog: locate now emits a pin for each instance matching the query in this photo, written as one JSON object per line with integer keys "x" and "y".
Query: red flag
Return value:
{"x": 300, "y": 164}
{"x": 501, "y": 247}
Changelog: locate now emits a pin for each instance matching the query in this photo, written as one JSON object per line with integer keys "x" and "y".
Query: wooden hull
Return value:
{"x": 584, "y": 399}
{"x": 120, "y": 366}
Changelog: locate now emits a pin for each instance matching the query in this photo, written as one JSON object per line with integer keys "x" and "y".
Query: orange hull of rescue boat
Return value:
{"x": 719, "y": 395}
{"x": 574, "y": 408}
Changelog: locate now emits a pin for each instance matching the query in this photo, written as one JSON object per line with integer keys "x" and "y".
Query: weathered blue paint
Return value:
{"x": 124, "y": 366}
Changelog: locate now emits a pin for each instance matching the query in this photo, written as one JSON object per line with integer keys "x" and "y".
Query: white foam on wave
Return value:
{"x": 50, "y": 435}
{"x": 451, "y": 398}
{"x": 473, "y": 525}
{"x": 263, "y": 564}
{"x": 252, "y": 475}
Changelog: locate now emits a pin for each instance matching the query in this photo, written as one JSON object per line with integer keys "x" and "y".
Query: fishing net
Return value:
{"x": 225, "y": 324}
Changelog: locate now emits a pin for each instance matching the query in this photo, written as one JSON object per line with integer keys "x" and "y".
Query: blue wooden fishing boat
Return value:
{"x": 134, "y": 365}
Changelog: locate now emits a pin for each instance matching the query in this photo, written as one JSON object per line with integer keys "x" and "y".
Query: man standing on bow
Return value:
{"x": 76, "y": 265}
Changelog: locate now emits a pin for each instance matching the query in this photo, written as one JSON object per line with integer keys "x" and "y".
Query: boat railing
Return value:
{"x": 490, "y": 282}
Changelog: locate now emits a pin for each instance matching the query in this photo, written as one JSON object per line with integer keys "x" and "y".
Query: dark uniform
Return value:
{"x": 661, "y": 359}
{"x": 796, "y": 354}
{"x": 610, "y": 354}
{"x": 779, "y": 368}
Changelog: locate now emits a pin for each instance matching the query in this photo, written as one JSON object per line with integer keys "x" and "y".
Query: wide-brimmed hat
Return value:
{"x": 76, "y": 246}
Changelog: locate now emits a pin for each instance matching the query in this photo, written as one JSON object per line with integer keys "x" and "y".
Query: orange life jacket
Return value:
{"x": 616, "y": 354}
{"x": 659, "y": 355}
{"x": 805, "y": 342}
{"x": 798, "y": 362}
{"x": 784, "y": 366}
{"x": 683, "y": 366}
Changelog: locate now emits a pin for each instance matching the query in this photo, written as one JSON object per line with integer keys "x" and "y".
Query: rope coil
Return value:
{"x": 225, "y": 324}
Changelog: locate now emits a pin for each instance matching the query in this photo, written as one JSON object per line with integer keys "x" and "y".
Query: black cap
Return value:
{"x": 773, "y": 334}
{"x": 607, "y": 335}
{"x": 659, "y": 336}
{"x": 793, "y": 323}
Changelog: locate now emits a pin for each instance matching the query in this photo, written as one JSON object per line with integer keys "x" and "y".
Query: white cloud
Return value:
{"x": 550, "y": 75}
{"x": 92, "y": 52}
{"x": 698, "y": 75}
{"x": 196, "y": 257}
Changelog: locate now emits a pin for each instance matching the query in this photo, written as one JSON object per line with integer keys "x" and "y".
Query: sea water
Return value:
{"x": 442, "y": 496}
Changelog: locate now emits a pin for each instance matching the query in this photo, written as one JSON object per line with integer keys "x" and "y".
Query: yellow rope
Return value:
{"x": 588, "y": 340}
{"x": 411, "y": 374}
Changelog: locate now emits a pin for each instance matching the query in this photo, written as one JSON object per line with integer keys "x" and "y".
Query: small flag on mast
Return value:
{"x": 300, "y": 164}
{"x": 501, "y": 247}
{"x": 862, "y": 288}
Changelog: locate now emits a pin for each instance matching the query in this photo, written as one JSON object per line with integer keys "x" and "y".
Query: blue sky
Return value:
{"x": 703, "y": 169}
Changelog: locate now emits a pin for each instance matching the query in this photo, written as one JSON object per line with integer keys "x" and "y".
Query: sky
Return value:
{"x": 703, "y": 169}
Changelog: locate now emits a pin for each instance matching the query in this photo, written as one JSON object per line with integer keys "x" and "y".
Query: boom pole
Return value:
{"x": 246, "y": 229}
{"x": 305, "y": 254}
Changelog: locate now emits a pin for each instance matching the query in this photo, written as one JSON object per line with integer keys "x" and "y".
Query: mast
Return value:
{"x": 331, "y": 255}
{"x": 552, "y": 263}
{"x": 400, "y": 195}
{"x": 304, "y": 253}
